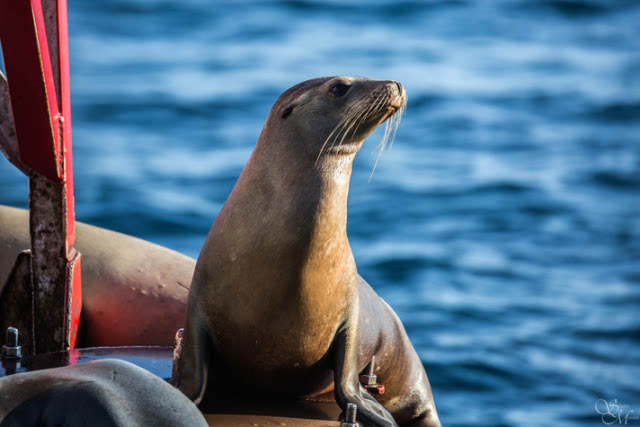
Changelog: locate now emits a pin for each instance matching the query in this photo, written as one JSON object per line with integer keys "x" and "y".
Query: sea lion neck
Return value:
{"x": 289, "y": 215}
{"x": 306, "y": 192}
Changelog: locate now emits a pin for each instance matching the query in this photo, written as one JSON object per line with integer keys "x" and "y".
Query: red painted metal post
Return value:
{"x": 26, "y": 55}
{"x": 34, "y": 41}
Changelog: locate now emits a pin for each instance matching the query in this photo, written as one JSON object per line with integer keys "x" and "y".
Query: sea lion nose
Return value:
{"x": 399, "y": 87}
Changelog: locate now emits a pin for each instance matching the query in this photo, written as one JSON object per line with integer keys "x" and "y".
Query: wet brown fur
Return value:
{"x": 276, "y": 303}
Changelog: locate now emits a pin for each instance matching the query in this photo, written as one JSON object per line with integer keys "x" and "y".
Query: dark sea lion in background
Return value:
{"x": 133, "y": 292}
{"x": 276, "y": 304}
{"x": 99, "y": 393}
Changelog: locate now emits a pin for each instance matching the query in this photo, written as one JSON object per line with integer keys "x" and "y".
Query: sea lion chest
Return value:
{"x": 277, "y": 279}
{"x": 275, "y": 313}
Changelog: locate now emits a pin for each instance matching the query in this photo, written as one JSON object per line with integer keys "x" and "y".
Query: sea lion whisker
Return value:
{"x": 379, "y": 107}
{"x": 382, "y": 140}
{"x": 380, "y": 151}
{"x": 391, "y": 124}
{"x": 379, "y": 101}
{"x": 389, "y": 135}
{"x": 379, "y": 104}
{"x": 345, "y": 119}
{"x": 374, "y": 166}
{"x": 371, "y": 111}
{"x": 354, "y": 117}
{"x": 390, "y": 131}
{"x": 382, "y": 101}
{"x": 365, "y": 114}
{"x": 353, "y": 121}
{"x": 398, "y": 118}
{"x": 376, "y": 107}
{"x": 377, "y": 160}
{"x": 348, "y": 123}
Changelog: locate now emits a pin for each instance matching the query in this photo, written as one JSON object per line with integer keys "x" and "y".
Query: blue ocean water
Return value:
{"x": 503, "y": 225}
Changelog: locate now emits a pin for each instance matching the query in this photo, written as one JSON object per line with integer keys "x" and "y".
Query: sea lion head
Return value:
{"x": 333, "y": 115}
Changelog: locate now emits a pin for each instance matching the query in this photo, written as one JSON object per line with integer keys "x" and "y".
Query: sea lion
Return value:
{"x": 276, "y": 303}
{"x": 102, "y": 393}
{"x": 133, "y": 291}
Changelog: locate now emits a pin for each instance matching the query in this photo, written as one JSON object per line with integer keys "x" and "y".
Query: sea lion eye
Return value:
{"x": 339, "y": 89}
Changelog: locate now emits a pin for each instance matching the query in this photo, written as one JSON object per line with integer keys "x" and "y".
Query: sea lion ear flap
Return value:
{"x": 288, "y": 110}
{"x": 301, "y": 100}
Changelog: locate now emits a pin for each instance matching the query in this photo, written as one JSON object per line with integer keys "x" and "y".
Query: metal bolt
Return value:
{"x": 12, "y": 337}
{"x": 352, "y": 410}
{"x": 11, "y": 349}
{"x": 350, "y": 417}
{"x": 370, "y": 379}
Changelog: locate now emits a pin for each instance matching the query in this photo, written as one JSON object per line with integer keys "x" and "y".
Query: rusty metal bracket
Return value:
{"x": 34, "y": 40}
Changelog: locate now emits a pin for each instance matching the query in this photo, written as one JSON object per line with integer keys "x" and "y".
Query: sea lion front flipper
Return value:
{"x": 347, "y": 381}
{"x": 192, "y": 372}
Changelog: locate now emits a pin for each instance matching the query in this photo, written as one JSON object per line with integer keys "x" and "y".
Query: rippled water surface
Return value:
{"x": 502, "y": 225}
